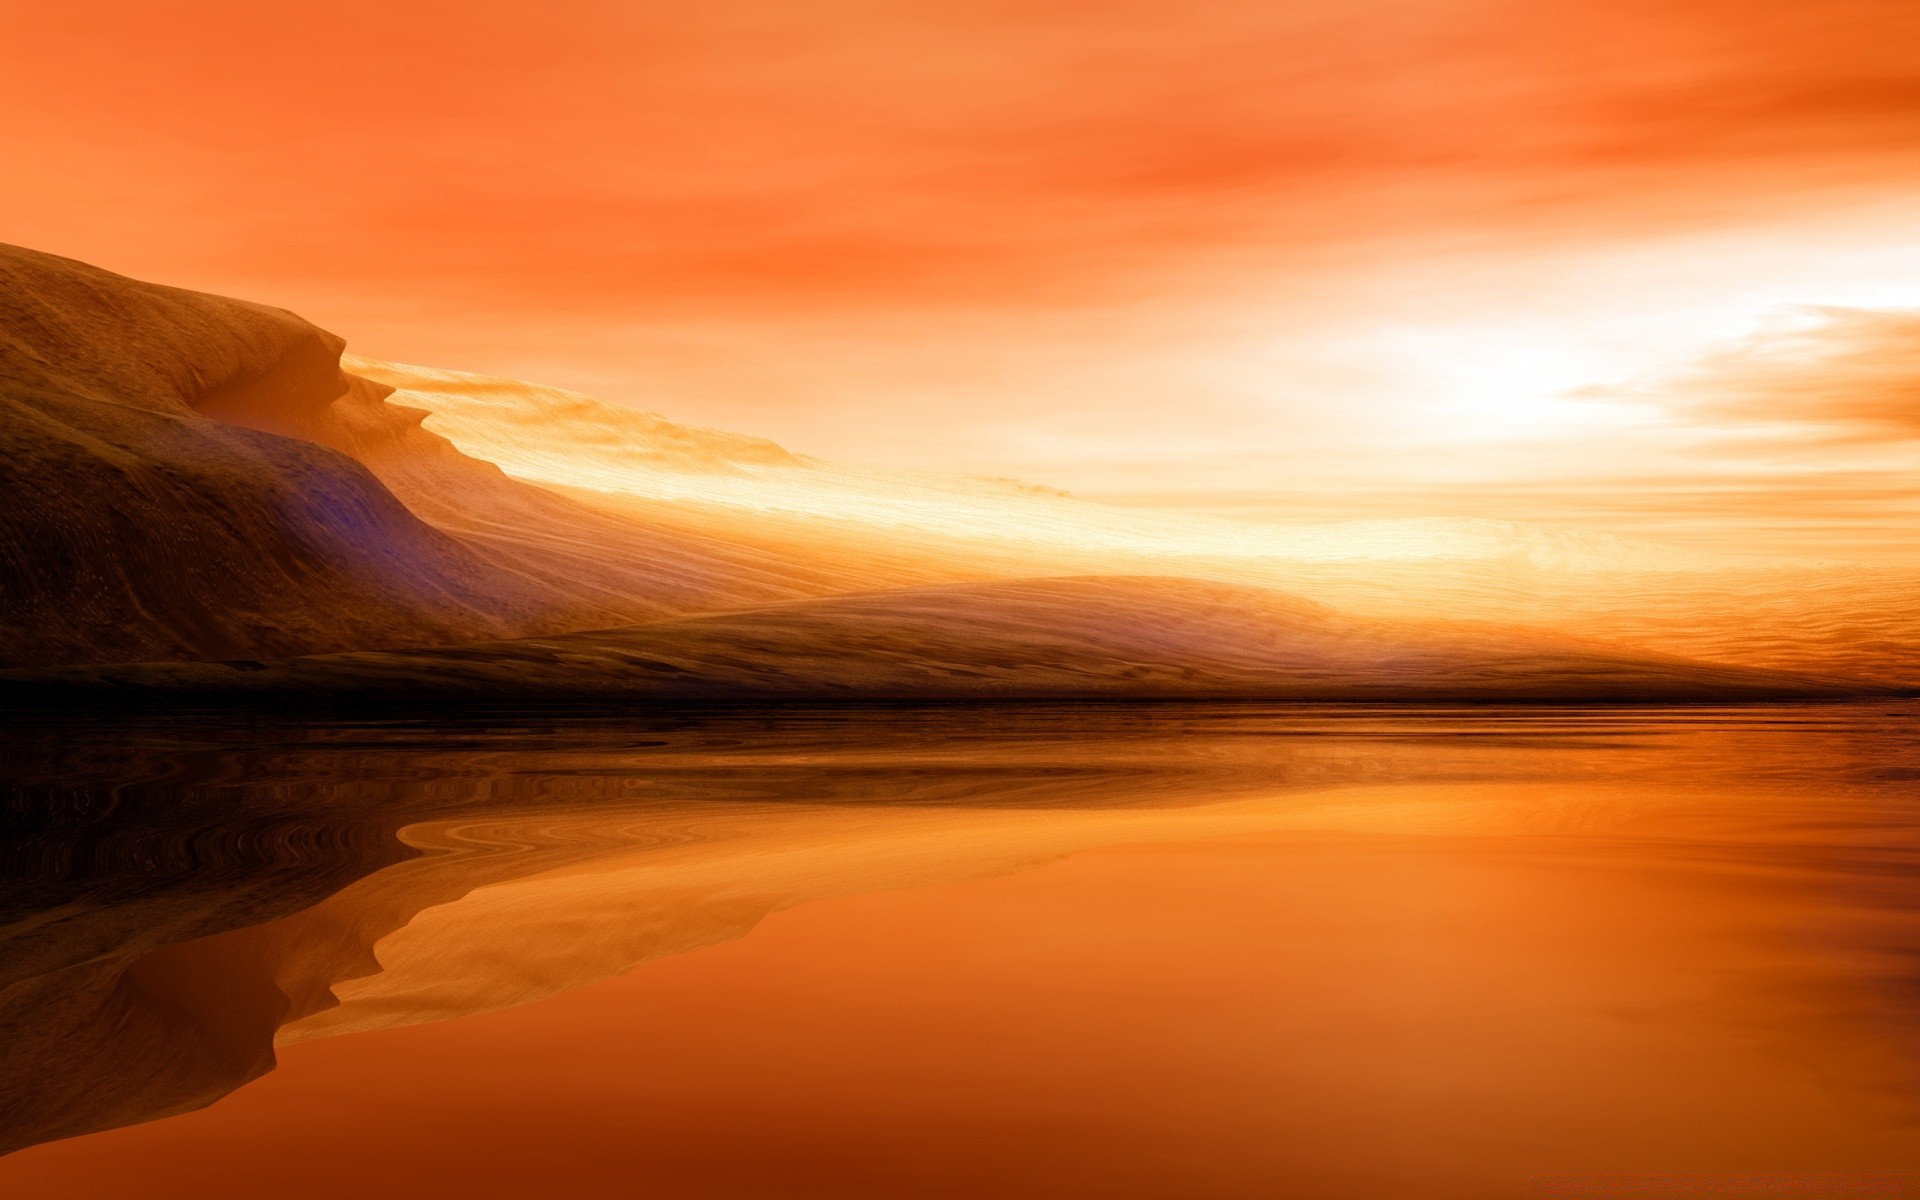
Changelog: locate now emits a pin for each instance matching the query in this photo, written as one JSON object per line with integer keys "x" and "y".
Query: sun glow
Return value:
{"x": 546, "y": 435}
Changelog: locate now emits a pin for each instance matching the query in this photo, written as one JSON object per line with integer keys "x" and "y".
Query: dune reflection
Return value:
{"x": 430, "y": 874}
{"x": 642, "y": 885}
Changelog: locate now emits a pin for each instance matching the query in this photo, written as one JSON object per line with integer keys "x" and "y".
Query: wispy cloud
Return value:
{"x": 1825, "y": 375}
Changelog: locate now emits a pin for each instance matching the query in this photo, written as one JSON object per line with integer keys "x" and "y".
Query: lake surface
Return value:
{"x": 1199, "y": 951}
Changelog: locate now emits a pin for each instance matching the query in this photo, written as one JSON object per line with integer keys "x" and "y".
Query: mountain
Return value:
{"x": 188, "y": 479}
{"x": 139, "y": 520}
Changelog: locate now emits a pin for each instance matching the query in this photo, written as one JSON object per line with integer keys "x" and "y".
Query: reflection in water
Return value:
{"x": 184, "y": 894}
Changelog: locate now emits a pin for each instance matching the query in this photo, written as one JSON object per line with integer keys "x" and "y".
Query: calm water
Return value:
{"x": 1054, "y": 952}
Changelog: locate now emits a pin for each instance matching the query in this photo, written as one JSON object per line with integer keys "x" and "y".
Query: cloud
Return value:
{"x": 865, "y": 152}
{"x": 1834, "y": 374}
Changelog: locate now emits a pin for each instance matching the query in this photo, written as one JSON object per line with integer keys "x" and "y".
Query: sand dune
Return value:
{"x": 138, "y": 521}
{"x": 1067, "y": 638}
{"x": 607, "y": 562}
{"x": 184, "y": 476}
{"x": 921, "y": 527}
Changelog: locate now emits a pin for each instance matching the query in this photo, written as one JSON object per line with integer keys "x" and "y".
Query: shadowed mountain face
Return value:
{"x": 1042, "y": 639}
{"x": 188, "y": 477}
{"x": 136, "y": 523}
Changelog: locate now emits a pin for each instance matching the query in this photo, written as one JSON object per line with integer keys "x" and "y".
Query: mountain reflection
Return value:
{"x": 183, "y": 893}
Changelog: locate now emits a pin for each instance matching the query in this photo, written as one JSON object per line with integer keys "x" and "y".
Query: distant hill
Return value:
{"x": 1041, "y": 639}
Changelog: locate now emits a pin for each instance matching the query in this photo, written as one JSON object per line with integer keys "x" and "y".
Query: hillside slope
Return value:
{"x": 903, "y": 526}
{"x": 137, "y": 522}
{"x": 189, "y": 477}
{"x": 1038, "y": 639}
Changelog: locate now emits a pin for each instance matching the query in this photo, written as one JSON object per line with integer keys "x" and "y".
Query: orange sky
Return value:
{"x": 1231, "y": 251}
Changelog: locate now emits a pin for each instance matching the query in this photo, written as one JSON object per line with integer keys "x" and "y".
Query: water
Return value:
{"x": 1061, "y": 951}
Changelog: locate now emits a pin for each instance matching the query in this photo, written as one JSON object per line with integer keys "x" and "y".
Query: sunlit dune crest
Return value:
{"x": 491, "y": 407}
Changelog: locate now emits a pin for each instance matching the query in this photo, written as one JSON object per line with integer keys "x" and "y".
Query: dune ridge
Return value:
{"x": 916, "y": 527}
{"x": 1039, "y": 639}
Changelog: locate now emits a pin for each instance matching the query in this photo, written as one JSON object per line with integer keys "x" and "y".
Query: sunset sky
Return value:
{"x": 1647, "y": 265}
